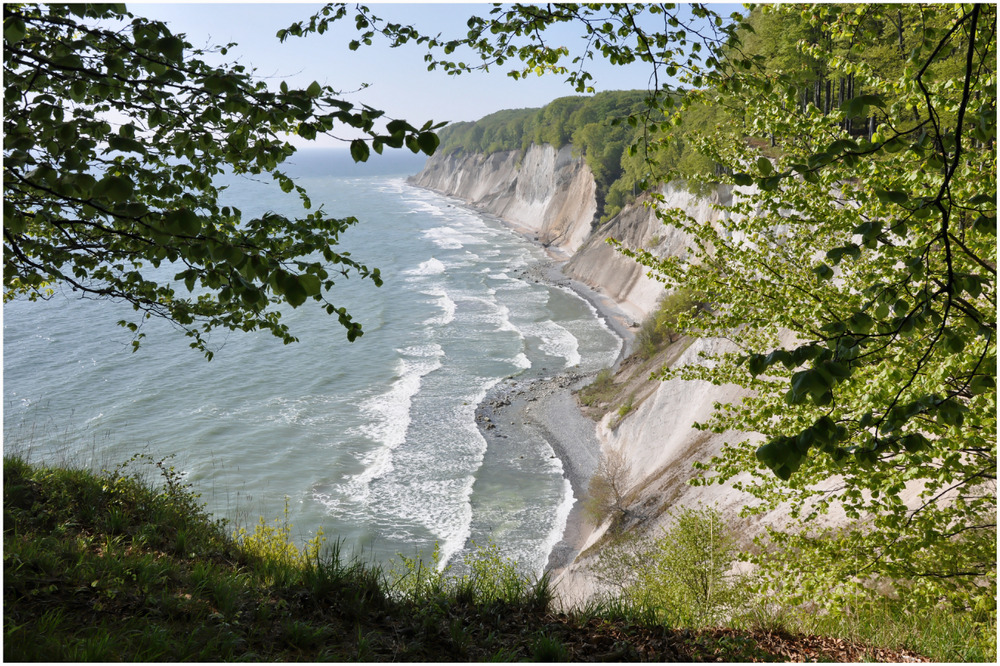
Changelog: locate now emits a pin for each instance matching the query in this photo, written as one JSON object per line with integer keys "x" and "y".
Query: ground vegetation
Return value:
{"x": 126, "y": 566}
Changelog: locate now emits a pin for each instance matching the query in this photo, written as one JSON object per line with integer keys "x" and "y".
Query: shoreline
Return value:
{"x": 545, "y": 406}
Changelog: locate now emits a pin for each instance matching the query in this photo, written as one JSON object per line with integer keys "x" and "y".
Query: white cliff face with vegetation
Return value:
{"x": 546, "y": 193}
{"x": 550, "y": 194}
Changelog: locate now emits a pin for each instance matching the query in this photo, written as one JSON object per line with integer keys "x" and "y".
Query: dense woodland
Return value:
{"x": 603, "y": 126}
{"x": 599, "y": 130}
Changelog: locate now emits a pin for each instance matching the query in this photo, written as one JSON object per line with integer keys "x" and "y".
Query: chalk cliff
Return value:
{"x": 550, "y": 194}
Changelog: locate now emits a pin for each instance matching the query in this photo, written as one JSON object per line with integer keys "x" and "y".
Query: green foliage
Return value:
{"x": 114, "y": 129}
{"x": 412, "y": 578}
{"x": 683, "y": 576}
{"x": 483, "y": 577}
{"x": 494, "y": 578}
{"x": 75, "y": 593}
{"x": 607, "y": 129}
{"x": 942, "y": 634}
{"x": 279, "y": 558}
{"x": 864, "y": 230}
{"x": 596, "y": 126}
{"x": 506, "y": 130}
{"x": 608, "y": 488}
{"x": 626, "y": 407}
{"x": 546, "y": 649}
{"x": 600, "y": 390}
{"x": 675, "y": 313}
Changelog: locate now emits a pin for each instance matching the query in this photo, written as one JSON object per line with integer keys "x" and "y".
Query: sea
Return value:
{"x": 373, "y": 441}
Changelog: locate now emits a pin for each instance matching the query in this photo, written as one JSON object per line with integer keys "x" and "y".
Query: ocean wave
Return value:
{"x": 555, "y": 340}
{"x": 445, "y": 238}
{"x": 430, "y": 267}
{"x": 455, "y": 541}
{"x": 455, "y": 236}
{"x": 555, "y": 535}
{"x": 447, "y": 306}
{"x": 389, "y": 415}
{"x": 426, "y": 207}
{"x": 598, "y": 322}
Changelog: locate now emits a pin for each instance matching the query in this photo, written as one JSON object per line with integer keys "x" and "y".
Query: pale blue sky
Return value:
{"x": 399, "y": 81}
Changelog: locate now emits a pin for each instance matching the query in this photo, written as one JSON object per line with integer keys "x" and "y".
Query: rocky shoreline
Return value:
{"x": 546, "y": 407}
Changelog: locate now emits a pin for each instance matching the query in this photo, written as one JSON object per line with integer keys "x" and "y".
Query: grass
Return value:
{"x": 940, "y": 633}
{"x": 119, "y": 567}
{"x": 600, "y": 391}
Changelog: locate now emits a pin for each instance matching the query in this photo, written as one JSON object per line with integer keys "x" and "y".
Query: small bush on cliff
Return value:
{"x": 608, "y": 488}
{"x": 683, "y": 575}
{"x": 626, "y": 408}
{"x": 664, "y": 325}
{"x": 600, "y": 390}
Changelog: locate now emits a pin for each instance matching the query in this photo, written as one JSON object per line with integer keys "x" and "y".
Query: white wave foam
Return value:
{"x": 522, "y": 361}
{"x": 389, "y": 415}
{"x": 455, "y": 538}
{"x": 430, "y": 267}
{"x": 445, "y": 506}
{"x": 556, "y": 340}
{"x": 612, "y": 354}
{"x": 422, "y": 351}
{"x": 446, "y": 238}
{"x": 503, "y": 314}
{"x": 428, "y": 208}
{"x": 447, "y": 306}
{"x": 559, "y": 523}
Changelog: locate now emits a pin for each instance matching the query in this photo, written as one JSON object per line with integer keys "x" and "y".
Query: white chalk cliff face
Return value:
{"x": 603, "y": 268}
{"x": 548, "y": 194}
{"x": 551, "y": 195}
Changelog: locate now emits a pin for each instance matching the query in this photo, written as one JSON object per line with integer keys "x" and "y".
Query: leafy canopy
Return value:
{"x": 114, "y": 129}
{"x": 856, "y": 268}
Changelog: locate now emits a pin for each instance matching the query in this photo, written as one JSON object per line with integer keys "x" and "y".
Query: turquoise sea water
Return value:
{"x": 374, "y": 441}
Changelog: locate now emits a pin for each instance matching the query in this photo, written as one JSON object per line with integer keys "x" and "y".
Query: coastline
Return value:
{"x": 545, "y": 407}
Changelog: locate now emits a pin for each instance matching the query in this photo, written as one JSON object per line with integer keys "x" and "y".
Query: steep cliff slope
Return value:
{"x": 601, "y": 267}
{"x": 550, "y": 195}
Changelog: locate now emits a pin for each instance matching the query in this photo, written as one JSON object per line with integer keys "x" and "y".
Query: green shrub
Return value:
{"x": 665, "y": 325}
{"x": 411, "y": 578}
{"x": 600, "y": 390}
{"x": 683, "y": 575}
{"x": 484, "y": 577}
{"x": 547, "y": 649}
{"x": 272, "y": 542}
{"x": 626, "y": 407}
{"x": 608, "y": 487}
